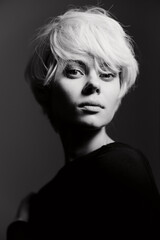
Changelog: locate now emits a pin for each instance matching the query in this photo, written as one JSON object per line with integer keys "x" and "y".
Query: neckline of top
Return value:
{"x": 96, "y": 151}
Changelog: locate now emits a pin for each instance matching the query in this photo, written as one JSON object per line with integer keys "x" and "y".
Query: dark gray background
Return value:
{"x": 30, "y": 151}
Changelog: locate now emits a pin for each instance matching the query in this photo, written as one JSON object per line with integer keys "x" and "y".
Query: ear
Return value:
{"x": 123, "y": 90}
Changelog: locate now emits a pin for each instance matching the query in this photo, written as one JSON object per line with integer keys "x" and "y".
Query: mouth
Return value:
{"x": 92, "y": 107}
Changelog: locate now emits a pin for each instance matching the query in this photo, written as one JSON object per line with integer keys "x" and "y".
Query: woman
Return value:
{"x": 82, "y": 67}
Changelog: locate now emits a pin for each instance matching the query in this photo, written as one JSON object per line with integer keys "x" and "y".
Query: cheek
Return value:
{"x": 112, "y": 99}
{"x": 64, "y": 96}
{"x": 59, "y": 93}
{"x": 112, "y": 93}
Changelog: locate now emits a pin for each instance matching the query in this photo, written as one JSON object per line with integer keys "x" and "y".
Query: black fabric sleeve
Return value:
{"x": 18, "y": 230}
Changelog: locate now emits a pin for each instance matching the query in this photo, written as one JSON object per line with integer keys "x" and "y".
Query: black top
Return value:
{"x": 109, "y": 193}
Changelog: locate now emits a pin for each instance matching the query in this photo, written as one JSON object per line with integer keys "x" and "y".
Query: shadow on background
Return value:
{"x": 30, "y": 151}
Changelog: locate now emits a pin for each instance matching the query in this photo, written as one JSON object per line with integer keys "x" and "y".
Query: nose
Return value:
{"x": 92, "y": 85}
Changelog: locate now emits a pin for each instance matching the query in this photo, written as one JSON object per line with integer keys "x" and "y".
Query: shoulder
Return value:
{"x": 123, "y": 154}
{"x": 126, "y": 162}
{"x": 124, "y": 150}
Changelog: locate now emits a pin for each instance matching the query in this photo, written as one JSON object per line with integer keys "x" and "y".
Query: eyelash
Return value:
{"x": 74, "y": 73}
{"x": 109, "y": 76}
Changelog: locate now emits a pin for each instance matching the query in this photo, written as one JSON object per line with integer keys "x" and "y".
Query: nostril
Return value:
{"x": 89, "y": 88}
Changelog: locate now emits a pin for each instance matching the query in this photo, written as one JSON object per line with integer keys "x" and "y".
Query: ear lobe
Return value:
{"x": 123, "y": 90}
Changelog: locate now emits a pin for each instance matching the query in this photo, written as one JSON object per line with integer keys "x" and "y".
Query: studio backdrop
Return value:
{"x": 30, "y": 151}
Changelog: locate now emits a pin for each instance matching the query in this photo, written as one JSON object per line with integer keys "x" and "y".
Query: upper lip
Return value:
{"x": 91, "y": 103}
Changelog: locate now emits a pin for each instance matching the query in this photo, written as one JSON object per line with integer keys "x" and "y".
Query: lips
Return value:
{"x": 91, "y": 103}
{"x": 91, "y": 106}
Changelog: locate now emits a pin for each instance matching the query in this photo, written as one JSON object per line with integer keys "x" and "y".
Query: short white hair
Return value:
{"x": 78, "y": 33}
{"x": 90, "y": 31}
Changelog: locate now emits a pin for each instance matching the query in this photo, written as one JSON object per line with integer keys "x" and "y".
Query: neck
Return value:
{"x": 79, "y": 142}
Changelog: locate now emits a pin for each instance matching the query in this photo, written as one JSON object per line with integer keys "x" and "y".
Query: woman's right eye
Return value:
{"x": 73, "y": 73}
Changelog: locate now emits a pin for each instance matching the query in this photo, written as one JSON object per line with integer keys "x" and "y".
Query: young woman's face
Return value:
{"x": 83, "y": 95}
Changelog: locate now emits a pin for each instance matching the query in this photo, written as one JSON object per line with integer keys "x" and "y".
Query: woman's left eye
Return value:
{"x": 73, "y": 73}
{"x": 107, "y": 76}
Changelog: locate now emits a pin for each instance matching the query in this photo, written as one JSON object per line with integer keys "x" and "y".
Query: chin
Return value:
{"x": 96, "y": 121}
{"x": 91, "y": 122}
{"x": 93, "y": 125}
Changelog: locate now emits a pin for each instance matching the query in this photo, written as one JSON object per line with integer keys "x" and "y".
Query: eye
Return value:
{"x": 107, "y": 76}
{"x": 73, "y": 73}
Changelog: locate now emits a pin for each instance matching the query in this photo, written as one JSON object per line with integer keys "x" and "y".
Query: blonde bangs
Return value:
{"x": 80, "y": 33}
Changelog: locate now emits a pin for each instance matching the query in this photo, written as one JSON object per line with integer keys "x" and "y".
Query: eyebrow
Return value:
{"x": 79, "y": 62}
{"x": 104, "y": 66}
